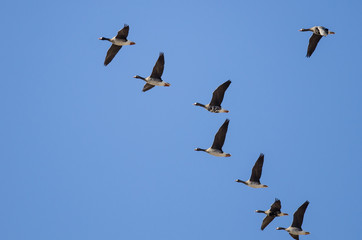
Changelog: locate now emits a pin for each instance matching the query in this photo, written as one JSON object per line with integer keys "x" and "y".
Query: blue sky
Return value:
{"x": 85, "y": 154}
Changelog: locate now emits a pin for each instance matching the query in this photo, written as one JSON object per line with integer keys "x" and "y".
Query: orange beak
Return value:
{"x": 132, "y": 43}
{"x": 228, "y": 155}
{"x": 167, "y": 84}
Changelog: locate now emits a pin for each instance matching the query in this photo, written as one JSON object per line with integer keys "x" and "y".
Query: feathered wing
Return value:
{"x": 112, "y": 51}
{"x": 266, "y": 222}
{"x": 147, "y": 87}
{"x": 299, "y": 215}
{"x": 313, "y": 42}
{"x": 123, "y": 33}
{"x": 257, "y": 169}
{"x": 158, "y": 68}
{"x": 276, "y": 206}
{"x": 218, "y": 94}
{"x": 220, "y": 136}
{"x": 296, "y": 237}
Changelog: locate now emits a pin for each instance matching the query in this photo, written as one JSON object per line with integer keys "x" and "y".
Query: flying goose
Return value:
{"x": 117, "y": 43}
{"x": 217, "y": 97}
{"x": 155, "y": 78}
{"x": 254, "y": 180}
{"x": 296, "y": 229}
{"x": 216, "y": 148}
{"x": 318, "y": 33}
{"x": 271, "y": 213}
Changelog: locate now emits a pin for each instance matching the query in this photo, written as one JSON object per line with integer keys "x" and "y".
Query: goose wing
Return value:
{"x": 299, "y": 215}
{"x": 147, "y": 87}
{"x": 257, "y": 169}
{"x": 313, "y": 41}
{"x": 276, "y": 206}
{"x": 218, "y": 94}
{"x": 296, "y": 237}
{"x": 112, "y": 51}
{"x": 158, "y": 68}
{"x": 123, "y": 33}
{"x": 266, "y": 222}
{"x": 220, "y": 136}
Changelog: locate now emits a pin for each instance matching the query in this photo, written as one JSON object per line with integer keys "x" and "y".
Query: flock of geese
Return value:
{"x": 215, "y": 106}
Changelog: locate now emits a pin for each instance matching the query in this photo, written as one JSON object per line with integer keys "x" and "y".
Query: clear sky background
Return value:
{"x": 85, "y": 154}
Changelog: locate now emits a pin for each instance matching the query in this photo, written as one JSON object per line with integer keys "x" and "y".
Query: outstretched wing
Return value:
{"x": 220, "y": 136}
{"x": 296, "y": 237}
{"x": 266, "y": 222}
{"x": 218, "y": 94}
{"x": 299, "y": 215}
{"x": 257, "y": 169}
{"x": 158, "y": 68}
{"x": 123, "y": 33}
{"x": 313, "y": 42}
{"x": 276, "y": 206}
{"x": 147, "y": 87}
{"x": 112, "y": 51}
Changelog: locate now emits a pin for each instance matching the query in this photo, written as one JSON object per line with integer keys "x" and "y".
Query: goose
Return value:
{"x": 117, "y": 43}
{"x": 217, "y": 97}
{"x": 318, "y": 33}
{"x": 254, "y": 180}
{"x": 271, "y": 213}
{"x": 296, "y": 229}
{"x": 155, "y": 78}
{"x": 216, "y": 148}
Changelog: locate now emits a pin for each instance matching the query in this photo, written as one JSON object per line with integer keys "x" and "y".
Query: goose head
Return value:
{"x": 200, "y": 149}
{"x": 240, "y": 181}
{"x": 199, "y": 104}
{"x": 137, "y": 76}
{"x": 259, "y": 211}
{"x": 104, "y": 38}
{"x": 304, "y": 30}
